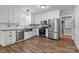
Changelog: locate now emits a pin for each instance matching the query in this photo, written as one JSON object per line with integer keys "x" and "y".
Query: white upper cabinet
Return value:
{"x": 21, "y": 17}
{"x": 14, "y": 14}
{"x": 27, "y": 19}
{"x": 50, "y": 15}
{"x": 56, "y": 14}
{"x": 38, "y": 18}
{"x": 46, "y": 16}
{"x": 3, "y": 14}
{"x": 18, "y": 15}
{"x": 11, "y": 13}
{"x": 7, "y": 14}
{"x": 32, "y": 18}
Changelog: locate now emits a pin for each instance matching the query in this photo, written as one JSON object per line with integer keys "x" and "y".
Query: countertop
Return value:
{"x": 14, "y": 28}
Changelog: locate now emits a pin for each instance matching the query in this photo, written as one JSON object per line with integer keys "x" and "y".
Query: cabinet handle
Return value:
{"x": 10, "y": 32}
{"x": 10, "y": 35}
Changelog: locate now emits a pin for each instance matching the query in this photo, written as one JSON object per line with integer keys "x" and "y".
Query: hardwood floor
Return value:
{"x": 41, "y": 45}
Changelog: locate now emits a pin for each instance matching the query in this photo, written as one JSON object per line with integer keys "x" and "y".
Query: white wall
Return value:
{"x": 67, "y": 12}
{"x": 76, "y": 32}
{"x": 46, "y": 16}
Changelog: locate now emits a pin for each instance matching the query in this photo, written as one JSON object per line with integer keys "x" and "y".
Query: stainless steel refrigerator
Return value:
{"x": 54, "y": 28}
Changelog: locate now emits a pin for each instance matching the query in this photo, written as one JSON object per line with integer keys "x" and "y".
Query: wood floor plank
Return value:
{"x": 41, "y": 45}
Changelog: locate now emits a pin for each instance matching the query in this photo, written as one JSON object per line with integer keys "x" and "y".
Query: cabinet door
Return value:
{"x": 45, "y": 17}
{"x": 46, "y": 32}
{"x": 8, "y": 37}
{"x": 27, "y": 19}
{"x": 12, "y": 36}
{"x": 37, "y": 31}
{"x": 3, "y": 13}
{"x": 51, "y": 16}
{"x": 5, "y": 38}
{"x": 34, "y": 32}
{"x": 11, "y": 14}
{"x": 26, "y": 35}
{"x": 30, "y": 34}
{"x": 38, "y": 18}
{"x": 56, "y": 14}
{"x": 18, "y": 16}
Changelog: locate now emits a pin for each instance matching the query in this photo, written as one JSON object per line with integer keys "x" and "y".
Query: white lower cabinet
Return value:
{"x": 12, "y": 37}
{"x": 34, "y": 32}
{"x": 46, "y": 32}
{"x": 37, "y": 31}
{"x": 7, "y": 37}
{"x": 27, "y": 35}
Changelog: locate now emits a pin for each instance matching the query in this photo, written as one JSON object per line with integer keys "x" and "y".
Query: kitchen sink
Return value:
{"x": 27, "y": 29}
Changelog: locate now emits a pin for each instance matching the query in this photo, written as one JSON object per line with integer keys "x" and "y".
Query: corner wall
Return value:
{"x": 76, "y": 31}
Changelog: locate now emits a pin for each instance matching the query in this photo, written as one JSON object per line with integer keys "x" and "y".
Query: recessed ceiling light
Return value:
{"x": 43, "y": 6}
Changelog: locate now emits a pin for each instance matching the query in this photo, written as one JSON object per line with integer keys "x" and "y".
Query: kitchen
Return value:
{"x": 19, "y": 23}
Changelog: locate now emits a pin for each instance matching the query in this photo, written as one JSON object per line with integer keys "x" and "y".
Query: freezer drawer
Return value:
{"x": 53, "y": 35}
{"x": 56, "y": 35}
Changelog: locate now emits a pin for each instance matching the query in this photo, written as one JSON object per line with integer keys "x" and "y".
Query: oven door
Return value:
{"x": 42, "y": 32}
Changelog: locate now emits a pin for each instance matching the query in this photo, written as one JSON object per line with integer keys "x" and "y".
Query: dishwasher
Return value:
{"x": 19, "y": 35}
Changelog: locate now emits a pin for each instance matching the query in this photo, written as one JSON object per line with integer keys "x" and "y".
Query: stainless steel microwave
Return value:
{"x": 43, "y": 22}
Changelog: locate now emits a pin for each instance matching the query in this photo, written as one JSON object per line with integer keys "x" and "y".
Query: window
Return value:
{"x": 27, "y": 19}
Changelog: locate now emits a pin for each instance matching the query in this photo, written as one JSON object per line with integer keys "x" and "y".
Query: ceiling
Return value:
{"x": 36, "y": 8}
